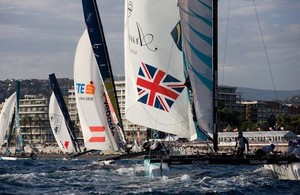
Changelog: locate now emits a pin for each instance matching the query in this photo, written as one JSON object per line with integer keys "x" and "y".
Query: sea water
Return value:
{"x": 127, "y": 177}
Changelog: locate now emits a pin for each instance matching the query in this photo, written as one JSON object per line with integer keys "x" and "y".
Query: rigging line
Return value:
{"x": 265, "y": 49}
{"x": 225, "y": 46}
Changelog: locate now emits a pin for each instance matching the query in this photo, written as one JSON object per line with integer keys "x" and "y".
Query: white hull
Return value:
{"x": 155, "y": 169}
{"x": 286, "y": 172}
{"x": 13, "y": 158}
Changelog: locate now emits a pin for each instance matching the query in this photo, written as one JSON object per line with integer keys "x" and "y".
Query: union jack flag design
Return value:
{"x": 156, "y": 88}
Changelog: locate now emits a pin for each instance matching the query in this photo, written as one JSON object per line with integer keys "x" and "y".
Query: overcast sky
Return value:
{"x": 39, "y": 37}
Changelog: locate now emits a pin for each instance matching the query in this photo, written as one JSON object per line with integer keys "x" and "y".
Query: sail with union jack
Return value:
{"x": 156, "y": 88}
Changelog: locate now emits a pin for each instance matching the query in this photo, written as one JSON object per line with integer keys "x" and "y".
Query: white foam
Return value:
{"x": 185, "y": 178}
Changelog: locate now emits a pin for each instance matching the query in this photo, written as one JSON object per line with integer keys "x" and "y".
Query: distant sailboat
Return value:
{"x": 60, "y": 121}
{"x": 10, "y": 126}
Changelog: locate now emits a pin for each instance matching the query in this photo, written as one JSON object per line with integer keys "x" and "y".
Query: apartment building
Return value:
{"x": 34, "y": 119}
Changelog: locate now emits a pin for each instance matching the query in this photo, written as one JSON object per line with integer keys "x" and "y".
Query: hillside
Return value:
{"x": 259, "y": 94}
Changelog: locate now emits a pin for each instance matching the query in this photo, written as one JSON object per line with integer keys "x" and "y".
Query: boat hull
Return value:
{"x": 289, "y": 171}
{"x": 156, "y": 169}
{"x": 14, "y": 158}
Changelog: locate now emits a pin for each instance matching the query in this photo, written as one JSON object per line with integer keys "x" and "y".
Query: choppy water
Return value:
{"x": 127, "y": 177}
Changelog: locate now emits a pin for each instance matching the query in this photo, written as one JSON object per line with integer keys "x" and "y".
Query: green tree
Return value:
{"x": 283, "y": 120}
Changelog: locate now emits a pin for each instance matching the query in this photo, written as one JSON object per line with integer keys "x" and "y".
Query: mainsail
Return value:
{"x": 97, "y": 40}
{"x": 98, "y": 128}
{"x": 60, "y": 120}
{"x": 6, "y": 116}
{"x": 196, "y": 28}
{"x": 156, "y": 96}
{"x": 59, "y": 127}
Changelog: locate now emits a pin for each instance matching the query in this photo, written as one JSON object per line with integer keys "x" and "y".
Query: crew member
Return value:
{"x": 241, "y": 143}
{"x": 265, "y": 150}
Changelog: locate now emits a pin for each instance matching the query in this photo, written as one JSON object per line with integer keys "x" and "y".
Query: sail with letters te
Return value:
{"x": 156, "y": 96}
{"x": 97, "y": 125}
{"x": 60, "y": 121}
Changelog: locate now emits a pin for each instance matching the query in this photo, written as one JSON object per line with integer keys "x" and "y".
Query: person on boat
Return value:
{"x": 296, "y": 150}
{"x": 240, "y": 145}
{"x": 146, "y": 146}
{"x": 265, "y": 150}
{"x": 291, "y": 147}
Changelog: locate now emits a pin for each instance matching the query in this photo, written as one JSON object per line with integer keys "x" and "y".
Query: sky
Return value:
{"x": 39, "y": 37}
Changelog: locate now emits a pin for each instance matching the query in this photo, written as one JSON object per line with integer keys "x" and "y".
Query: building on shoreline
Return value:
{"x": 36, "y": 126}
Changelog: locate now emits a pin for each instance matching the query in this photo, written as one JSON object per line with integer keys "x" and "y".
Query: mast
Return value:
{"x": 215, "y": 74}
{"x": 60, "y": 100}
{"x": 17, "y": 120}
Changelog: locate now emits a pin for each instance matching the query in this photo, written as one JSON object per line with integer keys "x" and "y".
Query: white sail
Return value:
{"x": 98, "y": 128}
{"x": 59, "y": 127}
{"x": 196, "y": 26}
{"x": 6, "y": 116}
{"x": 155, "y": 93}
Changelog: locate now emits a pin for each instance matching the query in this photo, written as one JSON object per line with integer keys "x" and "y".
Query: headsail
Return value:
{"x": 155, "y": 93}
{"x": 6, "y": 116}
{"x": 196, "y": 26}
{"x": 98, "y": 128}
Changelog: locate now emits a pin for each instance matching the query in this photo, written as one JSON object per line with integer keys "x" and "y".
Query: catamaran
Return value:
{"x": 10, "y": 126}
{"x": 157, "y": 72}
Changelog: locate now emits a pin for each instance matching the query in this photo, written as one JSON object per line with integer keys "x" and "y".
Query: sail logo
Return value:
{"x": 142, "y": 39}
{"x": 85, "y": 89}
{"x": 177, "y": 36}
{"x": 65, "y": 144}
{"x": 97, "y": 132}
{"x": 109, "y": 118}
{"x": 56, "y": 121}
{"x": 156, "y": 88}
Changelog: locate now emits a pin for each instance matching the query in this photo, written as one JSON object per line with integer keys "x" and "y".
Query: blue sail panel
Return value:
{"x": 196, "y": 24}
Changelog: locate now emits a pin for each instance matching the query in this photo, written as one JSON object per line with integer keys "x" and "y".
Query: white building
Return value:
{"x": 34, "y": 119}
{"x": 258, "y": 137}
